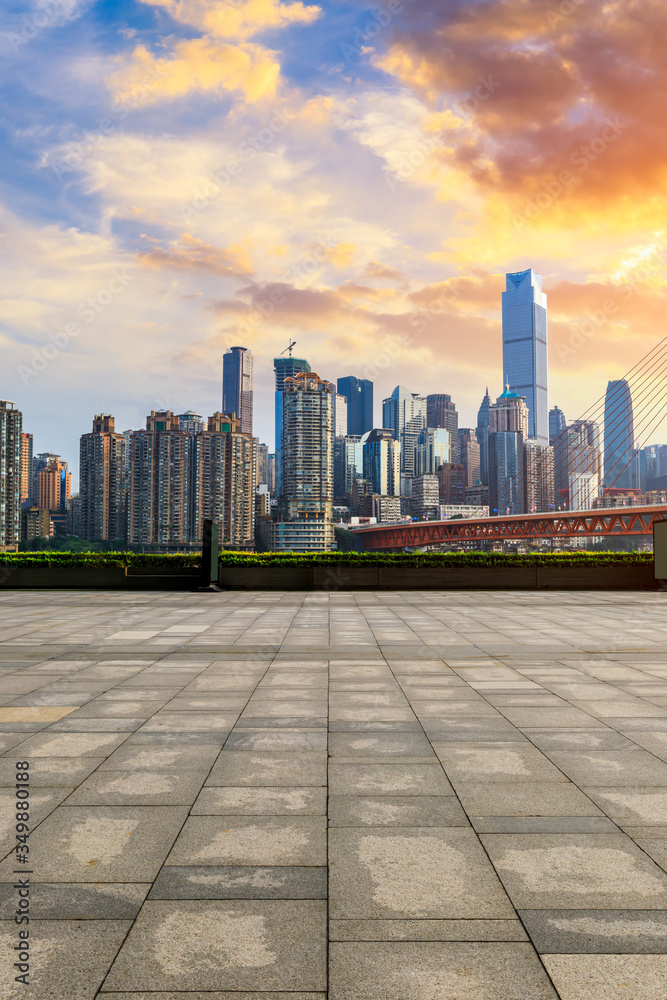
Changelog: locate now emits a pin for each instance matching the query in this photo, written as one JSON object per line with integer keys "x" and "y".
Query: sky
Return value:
{"x": 181, "y": 176}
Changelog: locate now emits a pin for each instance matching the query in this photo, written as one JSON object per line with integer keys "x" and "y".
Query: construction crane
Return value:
{"x": 289, "y": 348}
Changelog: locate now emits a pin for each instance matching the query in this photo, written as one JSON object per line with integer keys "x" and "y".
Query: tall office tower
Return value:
{"x": 308, "y": 447}
{"x": 382, "y": 461}
{"x": 538, "y": 474}
{"x": 160, "y": 482}
{"x": 26, "y": 466}
{"x": 433, "y": 449}
{"x": 11, "y": 423}
{"x": 225, "y": 459}
{"x": 359, "y": 393}
{"x": 190, "y": 422}
{"x": 103, "y": 482}
{"x": 348, "y": 463}
{"x": 452, "y": 483}
{"x": 425, "y": 497}
{"x": 557, "y": 423}
{"x": 482, "y": 432}
{"x": 340, "y": 415}
{"x": 577, "y": 466}
{"x": 40, "y": 462}
{"x": 237, "y": 385}
{"x": 404, "y": 413}
{"x": 263, "y": 465}
{"x": 508, "y": 429}
{"x": 441, "y": 412}
{"x": 621, "y": 465}
{"x": 284, "y": 368}
{"x": 271, "y": 481}
{"x": 525, "y": 347}
{"x": 469, "y": 456}
{"x": 54, "y": 486}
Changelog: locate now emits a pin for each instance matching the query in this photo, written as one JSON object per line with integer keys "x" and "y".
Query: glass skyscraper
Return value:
{"x": 621, "y": 462}
{"x": 525, "y": 347}
{"x": 237, "y": 385}
{"x": 482, "y": 432}
{"x": 359, "y": 393}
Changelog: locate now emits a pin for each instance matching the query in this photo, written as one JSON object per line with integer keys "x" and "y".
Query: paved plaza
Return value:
{"x": 366, "y": 796}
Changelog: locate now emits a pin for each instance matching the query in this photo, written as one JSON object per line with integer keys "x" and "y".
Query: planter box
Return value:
{"x": 162, "y": 581}
{"x": 266, "y": 578}
{"x": 48, "y": 577}
{"x": 596, "y": 577}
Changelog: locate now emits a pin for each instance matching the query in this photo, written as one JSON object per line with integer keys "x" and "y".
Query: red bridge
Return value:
{"x": 516, "y": 527}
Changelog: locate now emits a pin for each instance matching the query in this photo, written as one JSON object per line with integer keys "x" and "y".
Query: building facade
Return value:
{"x": 224, "y": 483}
{"x": 404, "y": 413}
{"x": 433, "y": 449}
{"x": 11, "y": 426}
{"x": 557, "y": 424}
{"x": 382, "y": 461}
{"x": 508, "y": 430}
{"x": 469, "y": 456}
{"x": 283, "y": 367}
{"x": 425, "y": 497}
{"x": 525, "y": 368}
{"x": 103, "y": 482}
{"x": 26, "y": 467}
{"x": 238, "y": 386}
{"x": 441, "y": 412}
{"x": 348, "y": 463}
{"x": 359, "y": 394}
{"x": 482, "y": 434}
{"x": 538, "y": 475}
{"x": 621, "y": 462}
{"x": 54, "y": 486}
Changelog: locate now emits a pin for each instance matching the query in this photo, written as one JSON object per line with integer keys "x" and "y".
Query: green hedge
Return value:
{"x": 435, "y": 559}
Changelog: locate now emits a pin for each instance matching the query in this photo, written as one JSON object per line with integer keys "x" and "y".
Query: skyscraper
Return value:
{"x": 160, "y": 482}
{"x": 404, "y": 413}
{"x": 224, "y": 463}
{"x": 557, "y": 423}
{"x": 621, "y": 463}
{"x": 237, "y": 385}
{"x": 10, "y": 474}
{"x": 359, "y": 393}
{"x": 340, "y": 415}
{"x": 263, "y": 465}
{"x": 103, "y": 482}
{"x": 469, "y": 456}
{"x": 433, "y": 449}
{"x": 482, "y": 432}
{"x": 54, "y": 486}
{"x": 441, "y": 412}
{"x": 284, "y": 367}
{"x": 382, "y": 461}
{"x": 26, "y": 467}
{"x": 577, "y": 465}
{"x": 348, "y": 463}
{"x": 191, "y": 422}
{"x": 508, "y": 426}
{"x": 308, "y": 448}
{"x": 524, "y": 307}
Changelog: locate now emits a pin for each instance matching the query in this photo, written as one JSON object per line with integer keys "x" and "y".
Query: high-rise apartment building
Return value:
{"x": 469, "y": 456}
{"x": 308, "y": 449}
{"x": 271, "y": 482}
{"x": 382, "y": 461}
{"x": 557, "y": 423}
{"x": 441, "y": 412}
{"x": 26, "y": 467}
{"x": 621, "y": 463}
{"x": 224, "y": 464}
{"x": 482, "y": 432}
{"x": 54, "y": 486}
{"x": 359, "y": 394}
{"x": 425, "y": 497}
{"x": 451, "y": 478}
{"x": 577, "y": 465}
{"x": 404, "y": 413}
{"x": 284, "y": 367}
{"x": 237, "y": 385}
{"x": 263, "y": 465}
{"x": 11, "y": 426}
{"x": 190, "y": 422}
{"x": 160, "y": 482}
{"x": 433, "y": 449}
{"x": 524, "y": 308}
{"x": 103, "y": 482}
{"x": 40, "y": 462}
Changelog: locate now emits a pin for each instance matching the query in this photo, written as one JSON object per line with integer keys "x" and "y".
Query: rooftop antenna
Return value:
{"x": 289, "y": 348}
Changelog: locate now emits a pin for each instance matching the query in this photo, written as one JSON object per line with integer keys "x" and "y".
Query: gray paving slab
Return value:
{"x": 218, "y": 944}
{"x": 410, "y": 970}
{"x": 388, "y": 779}
{"x": 256, "y": 801}
{"x": 427, "y": 930}
{"x": 396, "y": 810}
{"x": 597, "y": 931}
{"x": 251, "y": 840}
{"x": 612, "y": 977}
{"x": 240, "y": 882}
{"x": 524, "y": 798}
{"x": 77, "y": 901}
{"x": 270, "y": 768}
{"x": 145, "y": 787}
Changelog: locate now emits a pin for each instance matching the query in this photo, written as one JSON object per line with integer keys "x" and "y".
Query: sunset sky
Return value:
{"x": 180, "y": 176}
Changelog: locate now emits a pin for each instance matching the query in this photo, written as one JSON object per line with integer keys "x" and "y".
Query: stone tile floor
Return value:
{"x": 366, "y": 796}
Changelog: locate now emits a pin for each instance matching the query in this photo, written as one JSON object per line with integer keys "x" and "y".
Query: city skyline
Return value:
{"x": 345, "y": 181}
